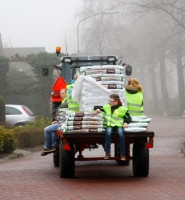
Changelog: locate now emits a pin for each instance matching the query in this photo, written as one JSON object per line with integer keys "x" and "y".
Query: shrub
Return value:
{"x": 1, "y": 142}
{"x": 39, "y": 122}
{"x": 32, "y": 134}
{"x": 29, "y": 137}
{"x": 7, "y": 140}
{"x": 2, "y": 111}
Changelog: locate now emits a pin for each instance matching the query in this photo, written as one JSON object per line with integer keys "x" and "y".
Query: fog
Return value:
{"x": 39, "y": 23}
{"x": 147, "y": 34}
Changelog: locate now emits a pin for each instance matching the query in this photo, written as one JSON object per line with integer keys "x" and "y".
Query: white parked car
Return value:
{"x": 18, "y": 115}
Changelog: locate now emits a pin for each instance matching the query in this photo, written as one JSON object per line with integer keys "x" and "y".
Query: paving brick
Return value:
{"x": 33, "y": 177}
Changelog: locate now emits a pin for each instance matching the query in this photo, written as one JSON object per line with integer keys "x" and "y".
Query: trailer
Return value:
{"x": 73, "y": 144}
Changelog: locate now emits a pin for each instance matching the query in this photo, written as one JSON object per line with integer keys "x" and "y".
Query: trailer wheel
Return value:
{"x": 117, "y": 154}
{"x": 56, "y": 157}
{"x": 67, "y": 162}
{"x": 140, "y": 162}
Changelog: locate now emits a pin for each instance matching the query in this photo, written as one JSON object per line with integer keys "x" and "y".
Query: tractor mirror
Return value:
{"x": 45, "y": 71}
{"x": 128, "y": 70}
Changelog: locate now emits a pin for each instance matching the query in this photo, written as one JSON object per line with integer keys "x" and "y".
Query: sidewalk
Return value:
{"x": 18, "y": 153}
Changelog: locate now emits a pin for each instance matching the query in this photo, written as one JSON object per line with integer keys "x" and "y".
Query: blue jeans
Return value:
{"x": 50, "y": 135}
{"x": 108, "y": 133}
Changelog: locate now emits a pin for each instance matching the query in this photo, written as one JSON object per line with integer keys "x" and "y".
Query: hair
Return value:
{"x": 135, "y": 83}
{"x": 115, "y": 97}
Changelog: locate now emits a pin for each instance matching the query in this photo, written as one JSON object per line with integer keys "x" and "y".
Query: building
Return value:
{"x": 21, "y": 51}
{"x": 14, "y": 53}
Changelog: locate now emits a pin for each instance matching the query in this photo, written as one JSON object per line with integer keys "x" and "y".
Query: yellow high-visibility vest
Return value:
{"x": 115, "y": 118}
{"x": 135, "y": 103}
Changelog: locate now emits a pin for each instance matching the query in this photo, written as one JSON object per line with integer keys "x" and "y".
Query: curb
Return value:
{"x": 11, "y": 156}
{"x": 20, "y": 153}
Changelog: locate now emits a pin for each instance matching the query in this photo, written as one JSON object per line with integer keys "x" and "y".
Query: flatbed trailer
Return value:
{"x": 73, "y": 144}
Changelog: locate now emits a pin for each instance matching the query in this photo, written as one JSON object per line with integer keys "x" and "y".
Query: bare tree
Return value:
{"x": 98, "y": 29}
{"x": 146, "y": 33}
{"x": 174, "y": 10}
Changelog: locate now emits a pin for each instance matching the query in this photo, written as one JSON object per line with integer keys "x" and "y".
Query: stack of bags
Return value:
{"x": 83, "y": 122}
{"x": 93, "y": 88}
{"x": 89, "y": 93}
{"x": 110, "y": 77}
{"x": 138, "y": 124}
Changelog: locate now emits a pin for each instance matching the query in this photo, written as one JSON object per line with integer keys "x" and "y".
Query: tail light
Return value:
{"x": 27, "y": 110}
{"x": 149, "y": 144}
{"x": 55, "y": 96}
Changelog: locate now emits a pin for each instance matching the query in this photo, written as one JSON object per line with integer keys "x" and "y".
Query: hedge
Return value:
{"x": 8, "y": 140}
{"x": 29, "y": 137}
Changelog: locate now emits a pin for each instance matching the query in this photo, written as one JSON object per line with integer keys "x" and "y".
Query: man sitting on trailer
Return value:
{"x": 50, "y": 131}
{"x": 117, "y": 118}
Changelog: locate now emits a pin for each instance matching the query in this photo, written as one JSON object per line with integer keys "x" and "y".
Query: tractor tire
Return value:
{"x": 117, "y": 154}
{"x": 140, "y": 162}
{"x": 66, "y": 162}
{"x": 56, "y": 158}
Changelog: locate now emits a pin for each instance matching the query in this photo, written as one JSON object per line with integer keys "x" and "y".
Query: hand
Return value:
{"x": 125, "y": 125}
{"x": 54, "y": 122}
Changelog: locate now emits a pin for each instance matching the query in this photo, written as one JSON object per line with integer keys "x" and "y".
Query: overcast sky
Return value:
{"x": 39, "y": 23}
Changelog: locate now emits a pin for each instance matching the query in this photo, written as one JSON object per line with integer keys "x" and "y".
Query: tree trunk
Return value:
{"x": 164, "y": 97}
{"x": 179, "y": 54}
{"x": 155, "y": 108}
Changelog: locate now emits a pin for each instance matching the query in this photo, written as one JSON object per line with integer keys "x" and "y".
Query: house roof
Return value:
{"x": 22, "y": 51}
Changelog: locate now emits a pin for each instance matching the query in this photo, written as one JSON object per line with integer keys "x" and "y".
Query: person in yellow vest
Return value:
{"x": 134, "y": 97}
{"x": 50, "y": 131}
{"x": 117, "y": 118}
{"x": 72, "y": 104}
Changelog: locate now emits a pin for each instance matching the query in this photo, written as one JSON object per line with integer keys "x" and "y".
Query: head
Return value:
{"x": 63, "y": 93}
{"x": 133, "y": 82}
{"x": 114, "y": 100}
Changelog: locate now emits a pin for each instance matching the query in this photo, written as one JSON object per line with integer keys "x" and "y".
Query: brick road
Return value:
{"x": 35, "y": 178}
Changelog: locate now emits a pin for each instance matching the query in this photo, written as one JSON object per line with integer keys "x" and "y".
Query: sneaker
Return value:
{"x": 47, "y": 151}
{"x": 107, "y": 156}
{"x": 50, "y": 150}
{"x": 122, "y": 157}
{"x": 44, "y": 153}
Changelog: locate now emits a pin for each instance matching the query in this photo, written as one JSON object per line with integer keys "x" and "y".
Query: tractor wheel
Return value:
{"x": 117, "y": 154}
{"x": 56, "y": 157}
{"x": 140, "y": 162}
{"x": 66, "y": 162}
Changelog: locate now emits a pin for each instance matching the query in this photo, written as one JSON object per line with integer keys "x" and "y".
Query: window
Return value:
{"x": 12, "y": 111}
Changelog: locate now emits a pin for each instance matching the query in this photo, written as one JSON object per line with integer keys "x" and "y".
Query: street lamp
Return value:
{"x": 104, "y": 12}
